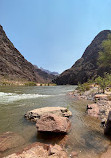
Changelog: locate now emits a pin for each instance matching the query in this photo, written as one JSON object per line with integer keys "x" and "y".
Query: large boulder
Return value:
{"x": 107, "y": 130}
{"x": 40, "y": 150}
{"x": 35, "y": 114}
{"x": 53, "y": 123}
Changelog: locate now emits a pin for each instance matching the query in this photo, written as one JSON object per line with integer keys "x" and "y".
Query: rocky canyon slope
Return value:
{"x": 86, "y": 67}
{"x": 13, "y": 65}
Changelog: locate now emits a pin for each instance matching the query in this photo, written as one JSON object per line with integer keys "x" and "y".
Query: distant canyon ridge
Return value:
{"x": 86, "y": 67}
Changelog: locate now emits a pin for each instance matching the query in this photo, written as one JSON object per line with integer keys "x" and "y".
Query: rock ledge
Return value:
{"x": 35, "y": 114}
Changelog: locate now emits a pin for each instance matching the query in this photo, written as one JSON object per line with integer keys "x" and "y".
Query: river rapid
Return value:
{"x": 86, "y": 136}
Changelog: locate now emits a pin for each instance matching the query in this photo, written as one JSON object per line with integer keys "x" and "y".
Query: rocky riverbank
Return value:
{"x": 101, "y": 103}
{"x": 100, "y": 109}
{"x": 40, "y": 150}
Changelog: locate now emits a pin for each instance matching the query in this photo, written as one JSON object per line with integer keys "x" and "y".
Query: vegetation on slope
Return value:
{"x": 101, "y": 82}
{"x": 104, "y": 59}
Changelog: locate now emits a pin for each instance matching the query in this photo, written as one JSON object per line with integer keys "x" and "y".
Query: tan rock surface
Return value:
{"x": 53, "y": 123}
{"x": 93, "y": 110}
{"x": 107, "y": 154}
{"x": 36, "y": 113}
{"x": 101, "y": 96}
{"x": 10, "y": 140}
{"x": 39, "y": 150}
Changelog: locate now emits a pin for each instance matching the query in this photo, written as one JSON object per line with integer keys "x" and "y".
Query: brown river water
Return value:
{"x": 86, "y": 136}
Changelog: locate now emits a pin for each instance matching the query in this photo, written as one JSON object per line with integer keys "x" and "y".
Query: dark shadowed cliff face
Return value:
{"x": 86, "y": 67}
{"x": 13, "y": 66}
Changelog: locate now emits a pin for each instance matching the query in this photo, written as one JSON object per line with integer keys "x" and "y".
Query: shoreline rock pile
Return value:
{"x": 101, "y": 103}
{"x": 40, "y": 150}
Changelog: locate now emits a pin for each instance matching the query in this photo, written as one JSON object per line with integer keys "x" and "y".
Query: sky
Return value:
{"x": 53, "y": 34}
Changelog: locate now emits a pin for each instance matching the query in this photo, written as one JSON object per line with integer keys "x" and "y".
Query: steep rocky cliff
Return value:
{"x": 13, "y": 66}
{"x": 86, "y": 67}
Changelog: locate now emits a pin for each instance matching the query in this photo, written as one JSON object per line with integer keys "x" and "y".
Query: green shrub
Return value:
{"x": 30, "y": 84}
{"x": 86, "y": 86}
{"x": 6, "y": 83}
{"x": 103, "y": 82}
{"x": 83, "y": 87}
{"x": 91, "y": 81}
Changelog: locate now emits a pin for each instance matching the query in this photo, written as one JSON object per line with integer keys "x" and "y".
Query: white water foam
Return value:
{"x": 11, "y": 97}
{"x": 2, "y": 94}
{"x": 70, "y": 90}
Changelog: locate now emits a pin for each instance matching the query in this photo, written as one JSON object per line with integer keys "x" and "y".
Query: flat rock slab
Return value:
{"x": 10, "y": 140}
{"x": 93, "y": 110}
{"x": 35, "y": 114}
{"x": 101, "y": 96}
{"x": 53, "y": 123}
{"x": 107, "y": 154}
{"x": 39, "y": 150}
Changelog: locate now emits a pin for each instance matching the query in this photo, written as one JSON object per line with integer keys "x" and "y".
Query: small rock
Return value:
{"x": 56, "y": 150}
{"x": 103, "y": 122}
{"x": 93, "y": 110}
{"x": 102, "y": 111}
{"x": 73, "y": 154}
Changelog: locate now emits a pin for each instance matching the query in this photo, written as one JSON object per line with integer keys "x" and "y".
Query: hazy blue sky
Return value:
{"x": 54, "y": 33}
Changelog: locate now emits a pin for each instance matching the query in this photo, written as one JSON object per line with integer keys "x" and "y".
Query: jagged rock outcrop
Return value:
{"x": 86, "y": 67}
{"x": 13, "y": 66}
